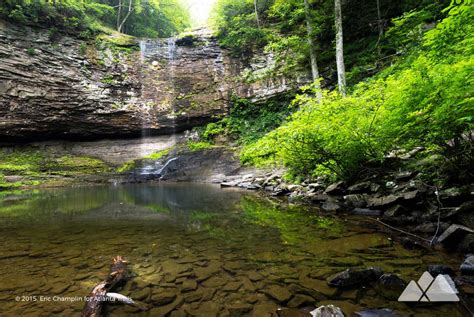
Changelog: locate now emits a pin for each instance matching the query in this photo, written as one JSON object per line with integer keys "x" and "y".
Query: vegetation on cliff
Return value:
{"x": 135, "y": 17}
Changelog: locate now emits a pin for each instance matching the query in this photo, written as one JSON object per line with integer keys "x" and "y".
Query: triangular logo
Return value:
{"x": 412, "y": 293}
{"x": 441, "y": 291}
{"x": 429, "y": 289}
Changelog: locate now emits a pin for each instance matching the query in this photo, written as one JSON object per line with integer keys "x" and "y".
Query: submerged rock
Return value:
{"x": 292, "y": 312}
{"x": 353, "y": 277}
{"x": 385, "y": 312}
{"x": 278, "y": 293}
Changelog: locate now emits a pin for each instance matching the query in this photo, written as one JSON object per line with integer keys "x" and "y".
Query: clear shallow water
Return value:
{"x": 194, "y": 250}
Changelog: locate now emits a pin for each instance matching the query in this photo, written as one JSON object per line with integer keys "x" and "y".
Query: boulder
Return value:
{"x": 467, "y": 267}
{"x": 356, "y": 200}
{"x": 315, "y": 186}
{"x": 404, "y": 176}
{"x": 383, "y": 201}
{"x": 391, "y": 281}
{"x": 451, "y": 237}
{"x": 436, "y": 269}
{"x": 358, "y": 188}
{"x": 353, "y": 277}
{"x": 316, "y": 198}
{"x": 335, "y": 189}
{"x": 390, "y": 286}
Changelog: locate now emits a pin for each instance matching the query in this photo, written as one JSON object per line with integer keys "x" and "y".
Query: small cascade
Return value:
{"x": 156, "y": 171}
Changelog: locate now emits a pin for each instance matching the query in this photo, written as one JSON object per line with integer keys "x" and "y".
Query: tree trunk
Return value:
{"x": 312, "y": 49}
{"x": 380, "y": 26}
{"x": 341, "y": 71}
{"x": 119, "y": 14}
{"x": 126, "y": 17}
{"x": 256, "y": 13}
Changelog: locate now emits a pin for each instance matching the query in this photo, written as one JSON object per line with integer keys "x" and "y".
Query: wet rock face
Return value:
{"x": 68, "y": 88}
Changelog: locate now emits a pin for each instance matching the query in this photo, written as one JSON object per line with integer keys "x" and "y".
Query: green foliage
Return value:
{"x": 237, "y": 27}
{"x": 157, "y": 155}
{"x": 147, "y": 17}
{"x": 31, "y": 51}
{"x": 249, "y": 121}
{"x": 198, "y": 146}
{"x": 426, "y": 100}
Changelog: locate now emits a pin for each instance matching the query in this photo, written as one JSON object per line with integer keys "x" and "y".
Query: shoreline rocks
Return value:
{"x": 399, "y": 198}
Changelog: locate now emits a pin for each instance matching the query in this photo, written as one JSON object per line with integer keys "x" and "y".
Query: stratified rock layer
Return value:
{"x": 58, "y": 86}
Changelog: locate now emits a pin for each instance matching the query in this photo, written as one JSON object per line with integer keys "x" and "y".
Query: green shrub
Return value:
{"x": 198, "y": 146}
{"x": 426, "y": 100}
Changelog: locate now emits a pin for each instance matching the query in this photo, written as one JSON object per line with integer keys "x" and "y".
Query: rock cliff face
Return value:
{"x": 54, "y": 86}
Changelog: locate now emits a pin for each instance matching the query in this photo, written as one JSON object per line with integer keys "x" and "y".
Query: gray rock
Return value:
{"x": 335, "y": 189}
{"x": 451, "y": 237}
{"x": 391, "y": 281}
{"x": 319, "y": 197}
{"x": 364, "y": 187}
{"x": 293, "y": 188}
{"x": 315, "y": 186}
{"x": 356, "y": 200}
{"x": 467, "y": 267}
{"x": 382, "y": 202}
{"x": 331, "y": 206}
{"x": 353, "y": 277}
{"x": 404, "y": 176}
{"x": 436, "y": 269}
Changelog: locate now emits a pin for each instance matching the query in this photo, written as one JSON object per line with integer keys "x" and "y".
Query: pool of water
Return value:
{"x": 193, "y": 250}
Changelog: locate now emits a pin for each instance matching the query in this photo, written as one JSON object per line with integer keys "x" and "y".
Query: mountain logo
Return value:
{"x": 429, "y": 289}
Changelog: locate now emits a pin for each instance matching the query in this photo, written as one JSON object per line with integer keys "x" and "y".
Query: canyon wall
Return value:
{"x": 55, "y": 86}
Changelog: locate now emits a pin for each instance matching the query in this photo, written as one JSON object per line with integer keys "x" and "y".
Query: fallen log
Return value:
{"x": 98, "y": 296}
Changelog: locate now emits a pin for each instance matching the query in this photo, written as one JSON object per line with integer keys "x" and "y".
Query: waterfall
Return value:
{"x": 171, "y": 48}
